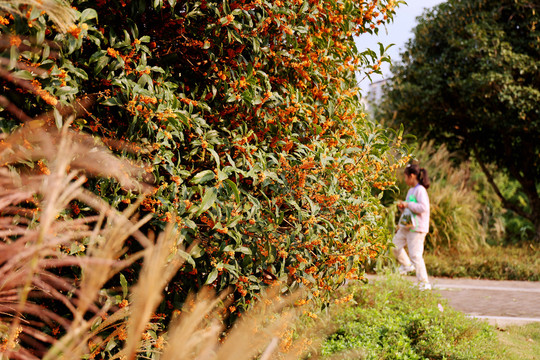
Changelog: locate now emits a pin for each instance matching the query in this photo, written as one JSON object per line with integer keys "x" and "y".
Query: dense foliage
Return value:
{"x": 247, "y": 115}
{"x": 469, "y": 79}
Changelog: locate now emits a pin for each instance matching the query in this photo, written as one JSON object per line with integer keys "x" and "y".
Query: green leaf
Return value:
{"x": 234, "y": 188}
{"x": 88, "y": 14}
{"x": 207, "y": 201}
{"x": 24, "y": 74}
{"x": 96, "y": 323}
{"x": 46, "y": 50}
{"x": 40, "y": 37}
{"x": 212, "y": 277}
{"x": 188, "y": 257}
{"x": 110, "y": 345}
{"x": 145, "y": 79}
{"x": 190, "y": 224}
{"x": 13, "y": 57}
{"x": 112, "y": 101}
{"x": 197, "y": 252}
{"x": 203, "y": 177}
{"x": 215, "y": 156}
{"x": 66, "y": 90}
{"x": 101, "y": 63}
{"x": 58, "y": 118}
{"x": 124, "y": 284}
{"x": 244, "y": 250}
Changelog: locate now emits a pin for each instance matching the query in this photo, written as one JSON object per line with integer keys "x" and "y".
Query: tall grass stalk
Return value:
{"x": 161, "y": 262}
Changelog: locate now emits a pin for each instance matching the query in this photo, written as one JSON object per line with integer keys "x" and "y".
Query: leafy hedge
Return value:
{"x": 247, "y": 115}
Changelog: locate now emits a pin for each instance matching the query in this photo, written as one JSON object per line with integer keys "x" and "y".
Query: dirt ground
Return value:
{"x": 501, "y": 303}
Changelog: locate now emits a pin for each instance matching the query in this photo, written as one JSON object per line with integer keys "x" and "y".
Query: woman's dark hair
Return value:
{"x": 421, "y": 174}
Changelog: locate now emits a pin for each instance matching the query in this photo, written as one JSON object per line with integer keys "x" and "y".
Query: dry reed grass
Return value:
{"x": 264, "y": 332}
{"x": 59, "y": 11}
{"x": 35, "y": 234}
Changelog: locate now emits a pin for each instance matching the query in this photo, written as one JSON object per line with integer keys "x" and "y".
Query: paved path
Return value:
{"x": 501, "y": 303}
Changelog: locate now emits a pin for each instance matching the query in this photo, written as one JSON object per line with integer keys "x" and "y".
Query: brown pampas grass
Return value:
{"x": 272, "y": 329}
{"x": 35, "y": 236}
{"x": 161, "y": 262}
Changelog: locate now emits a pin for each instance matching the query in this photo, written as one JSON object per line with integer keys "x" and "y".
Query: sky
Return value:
{"x": 397, "y": 32}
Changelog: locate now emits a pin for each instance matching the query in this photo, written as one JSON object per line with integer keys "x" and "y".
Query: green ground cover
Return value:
{"x": 522, "y": 342}
{"x": 391, "y": 319}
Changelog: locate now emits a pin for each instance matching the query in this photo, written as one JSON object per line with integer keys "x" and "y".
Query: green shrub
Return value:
{"x": 248, "y": 117}
{"x": 392, "y": 319}
{"x": 517, "y": 228}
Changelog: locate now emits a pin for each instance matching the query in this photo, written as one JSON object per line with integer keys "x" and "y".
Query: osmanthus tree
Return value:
{"x": 247, "y": 115}
{"x": 470, "y": 79}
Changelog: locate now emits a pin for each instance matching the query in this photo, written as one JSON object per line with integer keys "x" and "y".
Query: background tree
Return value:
{"x": 470, "y": 79}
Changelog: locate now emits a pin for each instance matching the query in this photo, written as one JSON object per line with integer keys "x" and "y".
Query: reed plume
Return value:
{"x": 37, "y": 238}
{"x": 59, "y": 11}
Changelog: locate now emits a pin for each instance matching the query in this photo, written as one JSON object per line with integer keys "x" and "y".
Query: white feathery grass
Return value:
{"x": 198, "y": 333}
{"x": 266, "y": 321}
{"x": 194, "y": 334}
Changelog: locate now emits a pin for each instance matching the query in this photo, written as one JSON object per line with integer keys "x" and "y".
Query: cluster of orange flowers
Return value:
{"x": 43, "y": 168}
{"x": 75, "y": 30}
{"x": 112, "y": 52}
{"x": 150, "y": 204}
{"x": 4, "y": 21}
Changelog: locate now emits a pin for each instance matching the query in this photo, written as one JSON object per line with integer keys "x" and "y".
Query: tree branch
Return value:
{"x": 506, "y": 203}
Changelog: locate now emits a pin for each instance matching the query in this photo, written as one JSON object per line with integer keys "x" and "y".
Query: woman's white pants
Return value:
{"x": 415, "y": 244}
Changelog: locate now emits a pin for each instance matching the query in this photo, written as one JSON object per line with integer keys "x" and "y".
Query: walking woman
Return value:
{"x": 413, "y": 225}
